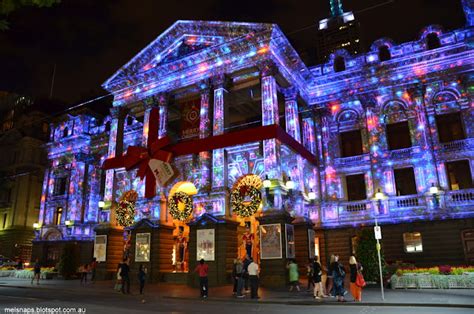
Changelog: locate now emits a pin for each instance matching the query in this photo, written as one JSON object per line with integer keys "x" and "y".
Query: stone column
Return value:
{"x": 115, "y": 146}
{"x": 218, "y": 163}
{"x": 204, "y": 132}
{"x": 44, "y": 195}
{"x": 75, "y": 191}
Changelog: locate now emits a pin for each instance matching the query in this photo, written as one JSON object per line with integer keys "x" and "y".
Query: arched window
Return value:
{"x": 65, "y": 132}
{"x": 339, "y": 64}
{"x": 384, "y": 53}
{"x": 107, "y": 126}
{"x": 58, "y": 216}
{"x": 432, "y": 41}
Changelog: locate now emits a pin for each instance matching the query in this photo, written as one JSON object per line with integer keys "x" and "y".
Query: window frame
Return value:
{"x": 412, "y": 241}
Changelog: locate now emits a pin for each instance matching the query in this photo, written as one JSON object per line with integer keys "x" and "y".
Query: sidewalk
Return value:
{"x": 371, "y": 296}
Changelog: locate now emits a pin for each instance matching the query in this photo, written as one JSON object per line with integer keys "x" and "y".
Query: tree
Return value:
{"x": 367, "y": 255}
{"x": 9, "y": 6}
{"x": 68, "y": 263}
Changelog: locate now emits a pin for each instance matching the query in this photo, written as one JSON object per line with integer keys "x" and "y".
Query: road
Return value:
{"x": 92, "y": 302}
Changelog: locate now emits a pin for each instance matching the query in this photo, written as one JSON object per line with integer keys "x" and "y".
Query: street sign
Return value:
{"x": 378, "y": 232}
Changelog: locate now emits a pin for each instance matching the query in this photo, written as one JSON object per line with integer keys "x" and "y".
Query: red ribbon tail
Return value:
{"x": 150, "y": 183}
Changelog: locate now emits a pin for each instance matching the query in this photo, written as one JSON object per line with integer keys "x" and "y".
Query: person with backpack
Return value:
{"x": 338, "y": 276}
{"x": 356, "y": 283}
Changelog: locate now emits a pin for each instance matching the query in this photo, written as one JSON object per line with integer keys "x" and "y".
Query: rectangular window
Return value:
{"x": 459, "y": 175}
{"x": 398, "y": 135}
{"x": 356, "y": 189}
{"x": 405, "y": 181}
{"x": 351, "y": 143}
{"x": 450, "y": 127}
{"x": 60, "y": 186}
{"x": 243, "y": 106}
{"x": 412, "y": 242}
{"x": 103, "y": 176}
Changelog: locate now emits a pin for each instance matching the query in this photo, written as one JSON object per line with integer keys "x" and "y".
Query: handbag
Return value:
{"x": 360, "y": 281}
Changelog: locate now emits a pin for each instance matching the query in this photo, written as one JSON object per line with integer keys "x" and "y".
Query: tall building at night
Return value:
{"x": 23, "y": 131}
{"x": 222, "y": 143}
{"x": 339, "y": 31}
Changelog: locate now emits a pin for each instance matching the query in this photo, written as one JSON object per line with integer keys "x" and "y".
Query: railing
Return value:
{"x": 403, "y": 153}
{"x": 461, "y": 197}
{"x": 458, "y": 145}
{"x": 406, "y": 201}
{"x": 355, "y": 206}
{"x": 345, "y": 161}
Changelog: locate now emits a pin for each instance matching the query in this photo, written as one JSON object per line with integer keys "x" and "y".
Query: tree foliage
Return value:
{"x": 9, "y": 6}
{"x": 68, "y": 263}
{"x": 366, "y": 254}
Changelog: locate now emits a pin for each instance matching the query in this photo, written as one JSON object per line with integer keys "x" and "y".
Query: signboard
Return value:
{"x": 205, "y": 244}
{"x": 290, "y": 241}
{"x": 163, "y": 171}
{"x": 100, "y": 248}
{"x": 378, "y": 233}
{"x": 142, "y": 247}
{"x": 270, "y": 241}
{"x": 190, "y": 118}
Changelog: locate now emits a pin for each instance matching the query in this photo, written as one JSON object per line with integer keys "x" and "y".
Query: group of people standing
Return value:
{"x": 85, "y": 269}
{"x": 245, "y": 273}
{"x": 123, "y": 277}
{"x": 335, "y": 279}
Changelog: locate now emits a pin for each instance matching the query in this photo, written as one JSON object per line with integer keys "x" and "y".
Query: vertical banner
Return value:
{"x": 190, "y": 112}
{"x": 205, "y": 244}
{"x": 290, "y": 241}
{"x": 142, "y": 247}
{"x": 100, "y": 248}
{"x": 270, "y": 241}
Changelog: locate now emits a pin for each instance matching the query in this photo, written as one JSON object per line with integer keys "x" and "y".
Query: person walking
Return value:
{"x": 338, "y": 276}
{"x": 203, "y": 269}
{"x": 36, "y": 272}
{"x": 293, "y": 274}
{"x": 355, "y": 269}
{"x": 92, "y": 267}
{"x": 84, "y": 269}
{"x": 330, "y": 278}
{"x": 125, "y": 274}
{"x": 253, "y": 278}
{"x": 318, "y": 285}
{"x": 141, "y": 277}
{"x": 118, "y": 283}
{"x": 309, "y": 275}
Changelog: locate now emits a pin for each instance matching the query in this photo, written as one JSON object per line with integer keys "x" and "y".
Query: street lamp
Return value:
{"x": 267, "y": 184}
{"x": 37, "y": 227}
{"x": 68, "y": 224}
{"x": 290, "y": 185}
{"x": 101, "y": 204}
{"x": 434, "y": 191}
{"x": 311, "y": 195}
{"x": 379, "y": 196}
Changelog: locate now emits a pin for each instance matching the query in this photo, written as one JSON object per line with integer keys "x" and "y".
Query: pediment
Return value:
{"x": 183, "y": 39}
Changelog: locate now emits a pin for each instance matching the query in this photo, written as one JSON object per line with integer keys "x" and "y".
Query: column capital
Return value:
{"x": 162, "y": 99}
{"x": 290, "y": 93}
{"x": 220, "y": 80}
{"x": 204, "y": 86}
{"x": 267, "y": 68}
{"x": 119, "y": 112}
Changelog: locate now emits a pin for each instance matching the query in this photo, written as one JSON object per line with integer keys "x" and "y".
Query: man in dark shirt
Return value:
{"x": 125, "y": 274}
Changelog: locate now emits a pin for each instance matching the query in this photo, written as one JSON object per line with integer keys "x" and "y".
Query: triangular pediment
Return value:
{"x": 184, "y": 39}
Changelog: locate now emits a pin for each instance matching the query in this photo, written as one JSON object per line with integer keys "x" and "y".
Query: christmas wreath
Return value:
{"x": 125, "y": 212}
{"x": 242, "y": 207}
{"x": 181, "y": 206}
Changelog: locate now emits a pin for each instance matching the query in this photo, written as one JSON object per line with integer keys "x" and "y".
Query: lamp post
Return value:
{"x": 311, "y": 196}
{"x": 290, "y": 185}
{"x": 37, "y": 227}
{"x": 267, "y": 184}
{"x": 379, "y": 196}
{"x": 434, "y": 191}
{"x": 100, "y": 217}
{"x": 68, "y": 224}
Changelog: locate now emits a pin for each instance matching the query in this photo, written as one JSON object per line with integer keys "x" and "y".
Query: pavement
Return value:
{"x": 443, "y": 298}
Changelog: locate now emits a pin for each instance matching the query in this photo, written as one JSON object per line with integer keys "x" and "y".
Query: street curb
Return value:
{"x": 319, "y": 303}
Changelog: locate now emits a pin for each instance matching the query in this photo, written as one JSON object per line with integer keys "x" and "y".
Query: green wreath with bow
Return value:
{"x": 175, "y": 211}
{"x": 242, "y": 207}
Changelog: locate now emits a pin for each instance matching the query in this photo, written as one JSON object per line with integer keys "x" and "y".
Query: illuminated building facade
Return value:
{"x": 240, "y": 107}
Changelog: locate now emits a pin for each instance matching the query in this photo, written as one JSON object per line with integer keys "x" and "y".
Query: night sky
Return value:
{"x": 89, "y": 40}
